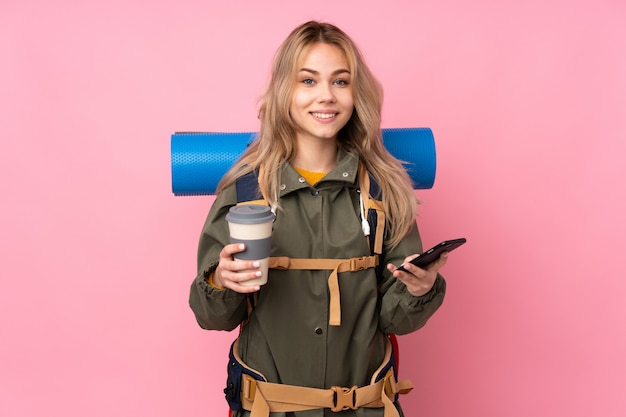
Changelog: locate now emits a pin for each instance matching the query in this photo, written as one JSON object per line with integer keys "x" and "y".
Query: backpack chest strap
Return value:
{"x": 336, "y": 266}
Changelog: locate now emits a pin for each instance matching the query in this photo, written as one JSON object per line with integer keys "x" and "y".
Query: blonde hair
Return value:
{"x": 274, "y": 144}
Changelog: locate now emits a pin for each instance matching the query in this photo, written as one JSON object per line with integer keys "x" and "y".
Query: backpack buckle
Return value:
{"x": 343, "y": 398}
{"x": 358, "y": 264}
{"x": 364, "y": 262}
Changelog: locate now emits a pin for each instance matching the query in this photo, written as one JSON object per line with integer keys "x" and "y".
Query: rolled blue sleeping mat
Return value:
{"x": 200, "y": 159}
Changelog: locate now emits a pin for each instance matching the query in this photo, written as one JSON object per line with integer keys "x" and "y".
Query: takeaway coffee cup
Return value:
{"x": 252, "y": 224}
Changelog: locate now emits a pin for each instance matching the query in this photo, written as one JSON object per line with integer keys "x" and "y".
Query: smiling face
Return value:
{"x": 322, "y": 100}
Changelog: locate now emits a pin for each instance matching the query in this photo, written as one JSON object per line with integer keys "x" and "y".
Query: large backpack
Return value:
{"x": 373, "y": 221}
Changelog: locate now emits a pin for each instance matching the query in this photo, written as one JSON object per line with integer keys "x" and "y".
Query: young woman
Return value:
{"x": 316, "y": 337}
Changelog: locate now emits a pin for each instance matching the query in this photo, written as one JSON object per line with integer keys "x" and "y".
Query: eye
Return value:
{"x": 308, "y": 81}
{"x": 341, "y": 82}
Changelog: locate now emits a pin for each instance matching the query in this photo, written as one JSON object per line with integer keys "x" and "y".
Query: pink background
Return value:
{"x": 527, "y": 100}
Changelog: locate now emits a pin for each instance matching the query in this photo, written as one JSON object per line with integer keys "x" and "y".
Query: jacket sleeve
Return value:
{"x": 401, "y": 312}
{"x": 215, "y": 309}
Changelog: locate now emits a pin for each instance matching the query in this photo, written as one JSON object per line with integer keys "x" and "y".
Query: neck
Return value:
{"x": 315, "y": 156}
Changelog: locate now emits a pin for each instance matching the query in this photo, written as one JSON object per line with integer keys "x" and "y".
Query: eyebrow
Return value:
{"x": 336, "y": 72}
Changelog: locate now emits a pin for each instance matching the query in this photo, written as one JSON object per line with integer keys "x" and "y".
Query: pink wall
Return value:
{"x": 528, "y": 106}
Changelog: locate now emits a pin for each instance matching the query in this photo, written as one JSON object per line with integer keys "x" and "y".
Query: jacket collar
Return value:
{"x": 345, "y": 172}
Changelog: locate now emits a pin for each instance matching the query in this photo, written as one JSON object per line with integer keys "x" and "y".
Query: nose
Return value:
{"x": 326, "y": 94}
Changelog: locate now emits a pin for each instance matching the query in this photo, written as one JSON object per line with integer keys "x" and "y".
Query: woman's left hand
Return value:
{"x": 417, "y": 280}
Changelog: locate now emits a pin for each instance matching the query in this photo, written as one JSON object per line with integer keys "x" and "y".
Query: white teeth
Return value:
{"x": 324, "y": 115}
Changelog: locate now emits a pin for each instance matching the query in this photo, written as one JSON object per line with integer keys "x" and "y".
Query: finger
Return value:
{"x": 395, "y": 271}
{"x": 227, "y": 261}
{"x": 410, "y": 269}
{"x": 241, "y": 280}
{"x": 228, "y": 267}
{"x": 244, "y": 289}
{"x": 237, "y": 274}
{"x": 402, "y": 274}
{"x": 229, "y": 250}
{"x": 435, "y": 266}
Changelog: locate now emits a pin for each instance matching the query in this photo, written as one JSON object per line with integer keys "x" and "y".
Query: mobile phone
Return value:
{"x": 432, "y": 254}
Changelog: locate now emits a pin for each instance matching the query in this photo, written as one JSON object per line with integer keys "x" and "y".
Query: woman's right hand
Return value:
{"x": 231, "y": 273}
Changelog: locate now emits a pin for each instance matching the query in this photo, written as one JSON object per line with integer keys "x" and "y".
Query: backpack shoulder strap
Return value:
{"x": 248, "y": 191}
{"x": 371, "y": 196}
{"x": 376, "y": 219}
